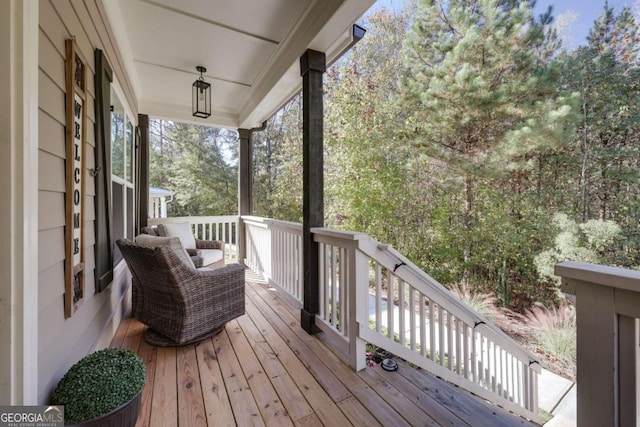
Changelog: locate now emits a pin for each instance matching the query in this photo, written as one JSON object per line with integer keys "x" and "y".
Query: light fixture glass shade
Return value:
{"x": 201, "y": 96}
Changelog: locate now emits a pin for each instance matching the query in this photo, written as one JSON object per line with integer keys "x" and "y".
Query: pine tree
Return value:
{"x": 198, "y": 164}
{"x": 366, "y": 180}
{"x": 480, "y": 90}
{"x": 277, "y": 165}
{"x": 606, "y": 146}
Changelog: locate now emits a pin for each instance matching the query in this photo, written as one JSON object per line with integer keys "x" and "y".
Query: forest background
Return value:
{"x": 464, "y": 134}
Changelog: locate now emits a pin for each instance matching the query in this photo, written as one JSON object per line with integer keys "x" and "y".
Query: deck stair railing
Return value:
{"x": 371, "y": 293}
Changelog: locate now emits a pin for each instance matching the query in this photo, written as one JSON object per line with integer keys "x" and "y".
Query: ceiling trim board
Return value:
{"x": 210, "y": 21}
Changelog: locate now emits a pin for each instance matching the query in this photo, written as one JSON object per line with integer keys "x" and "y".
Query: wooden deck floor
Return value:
{"x": 263, "y": 369}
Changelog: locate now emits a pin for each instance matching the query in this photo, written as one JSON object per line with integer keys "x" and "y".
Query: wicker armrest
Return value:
{"x": 209, "y": 244}
{"x": 192, "y": 252}
{"x": 215, "y": 294}
{"x": 228, "y": 273}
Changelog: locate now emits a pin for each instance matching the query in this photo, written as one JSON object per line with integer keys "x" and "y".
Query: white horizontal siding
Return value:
{"x": 62, "y": 341}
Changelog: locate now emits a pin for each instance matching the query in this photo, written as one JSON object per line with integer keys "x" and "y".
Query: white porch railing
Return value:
{"x": 274, "y": 248}
{"x": 371, "y": 293}
{"x": 607, "y": 313}
{"x": 223, "y": 228}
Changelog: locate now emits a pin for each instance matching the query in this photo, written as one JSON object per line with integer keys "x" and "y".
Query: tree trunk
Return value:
{"x": 583, "y": 171}
{"x": 604, "y": 198}
{"x": 467, "y": 222}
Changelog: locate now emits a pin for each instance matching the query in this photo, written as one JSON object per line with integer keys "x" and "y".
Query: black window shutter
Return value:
{"x": 103, "y": 246}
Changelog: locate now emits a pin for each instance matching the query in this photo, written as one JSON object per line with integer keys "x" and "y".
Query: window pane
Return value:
{"x": 117, "y": 192}
{"x": 130, "y": 213}
{"x": 117, "y": 137}
{"x": 129, "y": 151}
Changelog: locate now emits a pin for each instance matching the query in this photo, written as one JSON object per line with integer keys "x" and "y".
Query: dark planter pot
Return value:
{"x": 124, "y": 415}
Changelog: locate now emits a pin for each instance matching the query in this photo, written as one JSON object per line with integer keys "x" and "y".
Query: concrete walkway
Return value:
{"x": 557, "y": 396}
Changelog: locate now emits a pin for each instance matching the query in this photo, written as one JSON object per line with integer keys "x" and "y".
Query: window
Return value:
{"x": 122, "y": 172}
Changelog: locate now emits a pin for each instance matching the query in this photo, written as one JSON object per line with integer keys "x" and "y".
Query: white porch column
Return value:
{"x": 163, "y": 207}
{"x": 151, "y": 209}
{"x": 19, "y": 202}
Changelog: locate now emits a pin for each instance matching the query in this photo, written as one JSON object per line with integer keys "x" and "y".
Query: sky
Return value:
{"x": 585, "y": 12}
{"x": 579, "y": 15}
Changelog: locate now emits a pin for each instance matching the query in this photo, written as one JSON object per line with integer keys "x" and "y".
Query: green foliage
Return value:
{"x": 546, "y": 416}
{"x": 198, "y": 163}
{"x": 605, "y": 147}
{"x": 483, "y": 107}
{"x": 554, "y": 329}
{"x": 594, "y": 241}
{"x": 99, "y": 383}
{"x": 277, "y": 165}
{"x": 601, "y": 235}
{"x": 118, "y": 142}
{"x": 367, "y": 165}
{"x": 480, "y": 95}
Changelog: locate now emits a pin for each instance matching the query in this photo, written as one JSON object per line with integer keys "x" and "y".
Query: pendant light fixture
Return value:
{"x": 201, "y": 95}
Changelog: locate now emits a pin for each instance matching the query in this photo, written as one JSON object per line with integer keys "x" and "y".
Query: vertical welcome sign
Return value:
{"x": 76, "y": 119}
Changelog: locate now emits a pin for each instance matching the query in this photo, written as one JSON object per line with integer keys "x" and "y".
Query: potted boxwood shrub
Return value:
{"x": 103, "y": 389}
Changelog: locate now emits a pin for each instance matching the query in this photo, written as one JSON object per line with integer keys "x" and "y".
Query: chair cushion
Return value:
{"x": 150, "y": 230}
{"x": 173, "y": 243}
{"x": 182, "y": 230}
{"x": 210, "y": 256}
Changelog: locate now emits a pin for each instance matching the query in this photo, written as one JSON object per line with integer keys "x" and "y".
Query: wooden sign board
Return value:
{"x": 76, "y": 121}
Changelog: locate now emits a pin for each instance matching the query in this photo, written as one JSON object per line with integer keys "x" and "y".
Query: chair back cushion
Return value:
{"x": 182, "y": 230}
{"x": 172, "y": 242}
{"x": 152, "y": 230}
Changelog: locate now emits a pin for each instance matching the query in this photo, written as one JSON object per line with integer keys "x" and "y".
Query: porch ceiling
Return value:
{"x": 249, "y": 47}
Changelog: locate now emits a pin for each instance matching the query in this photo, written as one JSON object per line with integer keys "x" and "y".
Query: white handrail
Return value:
{"x": 413, "y": 274}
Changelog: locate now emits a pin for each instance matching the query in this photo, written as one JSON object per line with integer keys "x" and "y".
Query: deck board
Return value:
{"x": 294, "y": 401}
{"x": 473, "y": 410}
{"x": 415, "y": 395}
{"x": 243, "y": 403}
{"x": 414, "y": 414}
{"x": 271, "y": 408}
{"x": 317, "y": 397}
{"x": 190, "y": 397}
{"x": 164, "y": 407}
{"x": 264, "y": 370}
{"x": 217, "y": 405}
{"x": 311, "y": 359}
{"x": 148, "y": 353}
{"x": 378, "y": 408}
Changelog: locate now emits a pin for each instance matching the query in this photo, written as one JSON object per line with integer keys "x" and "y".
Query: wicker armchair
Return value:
{"x": 179, "y": 304}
